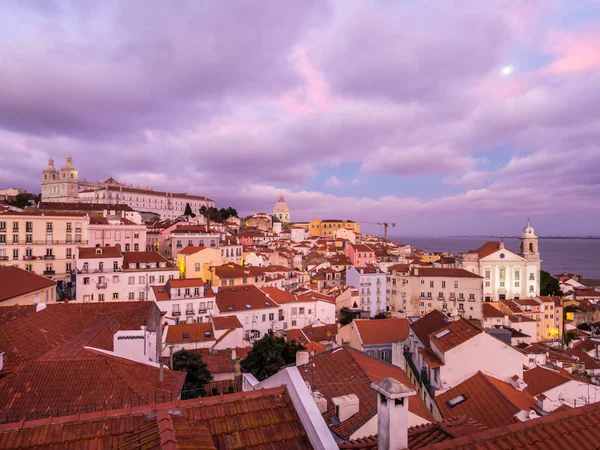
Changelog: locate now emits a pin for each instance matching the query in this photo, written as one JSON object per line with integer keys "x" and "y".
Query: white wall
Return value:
{"x": 137, "y": 345}
{"x": 370, "y": 428}
{"x": 573, "y": 391}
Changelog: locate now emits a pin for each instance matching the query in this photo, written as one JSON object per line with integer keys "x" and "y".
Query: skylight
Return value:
{"x": 185, "y": 335}
{"x": 230, "y": 308}
{"x": 456, "y": 401}
{"x": 207, "y": 334}
{"x": 248, "y": 306}
{"x": 441, "y": 334}
{"x": 267, "y": 303}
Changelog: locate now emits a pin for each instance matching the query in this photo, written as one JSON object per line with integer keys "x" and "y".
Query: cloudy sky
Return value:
{"x": 447, "y": 117}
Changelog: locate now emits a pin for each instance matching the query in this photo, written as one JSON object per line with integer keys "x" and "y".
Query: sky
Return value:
{"x": 445, "y": 117}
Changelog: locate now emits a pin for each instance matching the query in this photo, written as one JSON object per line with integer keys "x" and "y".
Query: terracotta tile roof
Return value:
{"x": 428, "y": 323}
{"x": 226, "y": 322}
{"x": 80, "y": 206}
{"x": 10, "y": 313}
{"x": 362, "y": 248}
{"x": 29, "y": 338}
{"x": 486, "y": 249}
{"x": 431, "y": 358}
{"x": 99, "y": 252}
{"x": 15, "y": 282}
{"x": 321, "y": 333}
{"x": 145, "y": 257}
{"x": 445, "y": 272}
{"x": 541, "y": 379}
{"x": 359, "y": 371}
{"x": 190, "y": 250}
{"x": 296, "y": 335}
{"x": 238, "y": 298}
{"x": 399, "y": 268}
{"x": 490, "y": 401}
{"x": 279, "y": 296}
{"x": 381, "y": 331}
{"x": 572, "y": 428}
{"x": 98, "y": 221}
{"x": 423, "y": 435}
{"x": 52, "y": 387}
{"x": 185, "y": 283}
{"x": 264, "y": 418}
{"x": 589, "y": 362}
{"x": 586, "y": 345}
{"x": 315, "y": 347}
{"x": 236, "y": 271}
{"x": 190, "y": 332}
{"x": 491, "y": 311}
{"x": 460, "y": 332}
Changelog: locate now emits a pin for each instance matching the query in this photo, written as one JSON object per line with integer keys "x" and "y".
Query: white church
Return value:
{"x": 506, "y": 274}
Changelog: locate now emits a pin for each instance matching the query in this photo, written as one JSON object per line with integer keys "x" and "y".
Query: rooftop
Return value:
{"x": 100, "y": 252}
{"x": 15, "y": 282}
{"x": 454, "y": 334}
{"x": 243, "y": 298}
{"x": 381, "y": 331}
{"x": 428, "y": 323}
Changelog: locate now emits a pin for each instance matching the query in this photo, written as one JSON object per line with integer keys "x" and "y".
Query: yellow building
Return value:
{"x": 42, "y": 242}
{"x": 20, "y": 287}
{"x": 195, "y": 262}
{"x": 318, "y": 227}
{"x": 429, "y": 258}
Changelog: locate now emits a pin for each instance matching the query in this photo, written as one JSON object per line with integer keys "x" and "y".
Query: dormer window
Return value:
{"x": 98, "y": 251}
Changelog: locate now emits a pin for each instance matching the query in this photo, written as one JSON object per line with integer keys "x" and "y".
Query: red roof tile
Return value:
{"x": 540, "y": 379}
{"x": 238, "y": 298}
{"x": 490, "y": 401}
{"x": 431, "y": 358}
{"x": 321, "y": 333}
{"x": 264, "y": 418}
{"x": 491, "y": 311}
{"x": 15, "y": 282}
{"x": 428, "y": 323}
{"x": 99, "y": 252}
{"x": 359, "y": 371}
{"x": 53, "y": 387}
{"x": 145, "y": 257}
{"x": 445, "y": 272}
{"x": 574, "y": 428}
{"x": 10, "y": 313}
{"x": 454, "y": 334}
{"x": 226, "y": 322}
{"x": 190, "y": 250}
{"x": 190, "y": 332}
{"x": 382, "y": 331}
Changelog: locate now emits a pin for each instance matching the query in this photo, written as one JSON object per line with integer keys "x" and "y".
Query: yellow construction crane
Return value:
{"x": 385, "y": 226}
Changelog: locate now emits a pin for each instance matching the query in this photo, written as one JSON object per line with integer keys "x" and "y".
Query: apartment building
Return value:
{"x": 360, "y": 254}
{"x": 104, "y": 232}
{"x": 187, "y": 300}
{"x": 370, "y": 280}
{"x": 328, "y": 227}
{"x": 416, "y": 291}
{"x": 107, "y": 274}
{"x": 546, "y": 311}
{"x": 189, "y": 235}
{"x": 42, "y": 242}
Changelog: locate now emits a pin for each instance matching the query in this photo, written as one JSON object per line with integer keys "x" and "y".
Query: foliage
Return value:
{"x": 188, "y": 211}
{"x": 269, "y": 355}
{"x": 584, "y": 327}
{"x": 197, "y": 376}
{"x": 218, "y": 215}
{"x": 20, "y": 201}
{"x": 569, "y": 336}
{"x": 549, "y": 285}
{"x": 380, "y": 315}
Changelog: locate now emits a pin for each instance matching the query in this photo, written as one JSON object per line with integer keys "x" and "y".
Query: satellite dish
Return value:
{"x": 36, "y": 300}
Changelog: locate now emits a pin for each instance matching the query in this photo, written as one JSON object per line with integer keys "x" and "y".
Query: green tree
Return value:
{"x": 569, "y": 336}
{"x": 549, "y": 285}
{"x": 20, "y": 201}
{"x": 269, "y": 355}
{"x": 197, "y": 376}
{"x": 380, "y": 315}
{"x": 584, "y": 327}
{"x": 188, "y": 211}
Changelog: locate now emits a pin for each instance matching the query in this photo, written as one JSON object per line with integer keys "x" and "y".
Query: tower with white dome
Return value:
{"x": 281, "y": 210}
{"x": 60, "y": 186}
{"x": 528, "y": 244}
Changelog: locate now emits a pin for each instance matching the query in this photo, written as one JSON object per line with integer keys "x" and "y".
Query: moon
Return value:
{"x": 507, "y": 70}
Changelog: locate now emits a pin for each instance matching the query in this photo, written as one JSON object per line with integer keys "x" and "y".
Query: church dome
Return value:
{"x": 281, "y": 206}
{"x": 528, "y": 231}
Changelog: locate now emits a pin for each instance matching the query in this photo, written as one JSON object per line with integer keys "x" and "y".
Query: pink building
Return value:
{"x": 104, "y": 232}
{"x": 360, "y": 254}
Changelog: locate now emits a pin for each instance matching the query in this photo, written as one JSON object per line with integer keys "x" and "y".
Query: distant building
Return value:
{"x": 64, "y": 185}
{"x": 318, "y": 227}
{"x": 370, "y": 280}
{"x": 20, "y": 287}
{"x": 282, "y": 210}
{"x": 507, "y": 275}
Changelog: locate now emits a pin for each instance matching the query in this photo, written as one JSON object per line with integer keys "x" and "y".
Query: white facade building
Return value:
{"x": 371, "y": 283}
{"x": 107, "y": 274}
{"x": 507, "y": 275}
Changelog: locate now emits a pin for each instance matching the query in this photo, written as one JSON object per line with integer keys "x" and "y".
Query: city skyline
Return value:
{"x": 473, "y": 119}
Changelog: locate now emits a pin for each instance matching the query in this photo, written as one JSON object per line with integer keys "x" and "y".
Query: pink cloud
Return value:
{"x": 577, "y": 50}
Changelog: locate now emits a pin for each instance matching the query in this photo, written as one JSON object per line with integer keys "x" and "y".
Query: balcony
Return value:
{"x": 202, "y": 311}
{"x": 176, "y": 313}
{"x": 3, "y": 258}
{"x": 49, "y": 272}
{"x": 427, "y": 383}
{"x": 189, "y": 312}
{"x": 413, "y": 367}
{"x": 48, "y": 257}
{"x": 101, "y": 284}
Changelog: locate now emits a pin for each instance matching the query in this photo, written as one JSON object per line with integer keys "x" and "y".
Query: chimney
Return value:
{"x": 40, "y": 307}
{"x": 1, "y": 361}
{"x": 161, "y": 372}
{"x": 346, "y": 406}
{"x": 416, "y": 271}
{"x": 392, "y": 414}
{"x": 301, "y": 358}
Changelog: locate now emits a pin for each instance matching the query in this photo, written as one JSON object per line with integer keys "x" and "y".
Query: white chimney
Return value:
{"x": 345, "y": 406}
{"x": 321, "y": 401}
{"x": 392, "y": 414}
{"x": 416, "y": 271}
{"x": 518, "y": 382}
{"x": 40, "y": 307}
{"x": 1, "y": 361}
{"x": 302, "y": 358}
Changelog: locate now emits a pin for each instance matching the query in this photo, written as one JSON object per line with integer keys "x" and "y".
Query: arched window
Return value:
{"x": 502, "y": 274}
{"x": 531, "y": 247}
{"x": 522, "y": 247}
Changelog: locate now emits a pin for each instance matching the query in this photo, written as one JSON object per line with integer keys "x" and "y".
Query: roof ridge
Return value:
{"x": 166, "y": 430}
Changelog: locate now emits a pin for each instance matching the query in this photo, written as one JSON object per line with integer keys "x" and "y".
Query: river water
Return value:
{"x": 576, "y": 255}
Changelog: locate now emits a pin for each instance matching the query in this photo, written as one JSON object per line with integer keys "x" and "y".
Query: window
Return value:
{"x": 28, "y": 238}
{"x": 441, "y": 296}
{"x": 115, "y": 296}
{"x": 131, "y": 280}
{"x": 16, "y": 226}
{"x": 142, "y": 295}
{"x": 422, "y": 281}
{"x": 141, "y": 279}
{"x": 431, "y": 284}
{"x": 127, "y": 247}
{"x": 197, "y": 267}
{"x": 301, "y": 310}
{"x": 2, "y": 226}
{"x": 271, "y": 316}
{"x": 136, "y": 247}
{"x": 471, "y": 296}
{"x": 86, "y": 280}
{"x": 456, "y": 285}
{"x": 443, "y": 285}
{"x": 15, "y": 253}
{"x": 530, "y": 288}
{"x": 531, "y": 276}
{"x": 461, "y": 296}
{"x": 29, "y": 227}
{"x": 456, "y": 401}
{"x": 15, "y": 238}
{"x": 294, "y": 311}
{"x": 487, "y": 284}
{"x": 2, "y": 239}
{"x": 131, "y": 296}
{"x": 100, "y": 297}
{"x": 293, "y": 323}
{"x": 101, "y": 266}
{"x": 68, "y": 267}
{"x": 161, "y": 279}
{"x": 429, "y": 295}
{"x": 487, "y": 274}
{"x": 517, "y": 275}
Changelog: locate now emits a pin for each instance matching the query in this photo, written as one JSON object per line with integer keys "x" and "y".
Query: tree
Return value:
{"x": 197, "y": 376}
{"x": 569, "y": 336}
{"x": 20, "y": 201}
{"x": 584, "y": 327}
{"x": 269, "y": 355}
{"x": 549, "y": 285}
{"x": 188, "y": 211}
{"x": 380, "y": 315}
